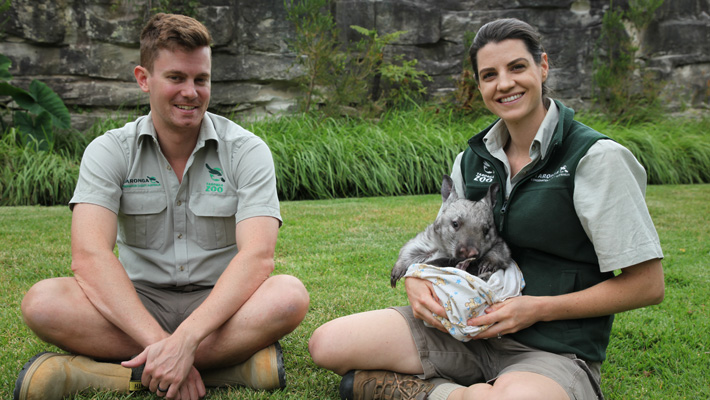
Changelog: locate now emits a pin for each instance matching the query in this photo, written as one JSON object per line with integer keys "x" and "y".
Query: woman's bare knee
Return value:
{"x": 358, "y": 341}
{"x": 516, "y": 386}
{"x": 318, "y": 346}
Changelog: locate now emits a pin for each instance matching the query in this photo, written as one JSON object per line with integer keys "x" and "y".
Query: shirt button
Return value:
{"x": 182, "y": 268}
{"x": 168, "y": 167}
{"x": 179, "y": 202}
{"x": 179, "y": 236}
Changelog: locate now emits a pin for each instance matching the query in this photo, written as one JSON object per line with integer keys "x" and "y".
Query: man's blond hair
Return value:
{"x": 171, "y": 32}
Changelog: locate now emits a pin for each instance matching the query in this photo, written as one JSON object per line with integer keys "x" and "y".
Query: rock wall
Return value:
{"x": 86, "y": 49}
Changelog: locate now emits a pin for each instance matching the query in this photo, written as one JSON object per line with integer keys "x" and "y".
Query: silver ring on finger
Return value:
{"x": 498, "y": 335}
{"x": 163, "y": 390}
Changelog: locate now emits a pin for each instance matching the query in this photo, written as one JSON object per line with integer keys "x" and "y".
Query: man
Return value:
{"x": 190, "y": 199}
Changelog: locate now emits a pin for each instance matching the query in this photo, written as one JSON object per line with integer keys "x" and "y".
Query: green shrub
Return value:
{"x": 352, "y": 79}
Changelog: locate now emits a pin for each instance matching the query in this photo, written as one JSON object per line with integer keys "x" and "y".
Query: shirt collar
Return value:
{"x": 498, "y": 135}
{"x": 207, "y": 130}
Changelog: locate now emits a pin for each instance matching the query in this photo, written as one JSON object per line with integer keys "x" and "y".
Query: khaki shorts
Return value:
{"x": 483, "y": 360}
{"x": 170, "y": 306}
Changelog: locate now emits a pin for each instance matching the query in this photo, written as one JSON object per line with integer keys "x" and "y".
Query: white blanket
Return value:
{"x": 465, "y": 296}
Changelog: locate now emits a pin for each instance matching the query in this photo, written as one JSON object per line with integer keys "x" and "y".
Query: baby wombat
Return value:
{"x": 463, "y": 235}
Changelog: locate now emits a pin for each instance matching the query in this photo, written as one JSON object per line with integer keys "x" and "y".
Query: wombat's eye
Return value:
{"x": 455, "y": 224}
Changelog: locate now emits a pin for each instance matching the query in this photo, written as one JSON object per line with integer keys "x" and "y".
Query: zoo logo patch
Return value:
{"x": 216, "y": 176}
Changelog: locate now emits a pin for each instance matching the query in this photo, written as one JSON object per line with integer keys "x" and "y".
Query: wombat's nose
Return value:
{"x": 467, "y": 252}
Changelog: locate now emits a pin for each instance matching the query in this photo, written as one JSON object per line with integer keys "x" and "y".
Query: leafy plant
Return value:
{"x": 352, "y": 79}
{"x": 316, "y": 45}
{"x": 394, "y": 81}
{"x": 623, "y": 88}
{"x": 403, "y": 81}
{"x": 43, "y": 109}
{"x": 641, "y": 12}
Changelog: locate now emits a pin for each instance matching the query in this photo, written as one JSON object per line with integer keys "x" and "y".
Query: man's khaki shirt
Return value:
{"x": 173, "y": 233}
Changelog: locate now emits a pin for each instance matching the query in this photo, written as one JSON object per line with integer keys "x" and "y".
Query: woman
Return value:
{"x": 573, "y": 211}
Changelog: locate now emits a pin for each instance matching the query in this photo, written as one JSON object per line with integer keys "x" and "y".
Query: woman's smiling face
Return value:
{"x": 510, "y": 81}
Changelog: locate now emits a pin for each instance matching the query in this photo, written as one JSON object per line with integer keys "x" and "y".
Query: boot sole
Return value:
{"x": 281, "y": 365}
{"x": 22, "y": 385}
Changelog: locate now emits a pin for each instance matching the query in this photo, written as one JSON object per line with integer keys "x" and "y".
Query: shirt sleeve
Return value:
{"x": 457, "y": 177}
{"x": 101, "y": 174}
{"x": 255, "y": 178}
{"x": 609, "y": 196}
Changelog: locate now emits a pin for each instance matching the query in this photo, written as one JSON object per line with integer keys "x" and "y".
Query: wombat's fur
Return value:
{"x": 463, "y": 235}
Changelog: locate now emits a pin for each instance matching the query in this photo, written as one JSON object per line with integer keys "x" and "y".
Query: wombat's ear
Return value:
{"x": 447, "y": 188}
{"x": 492, "y": 195}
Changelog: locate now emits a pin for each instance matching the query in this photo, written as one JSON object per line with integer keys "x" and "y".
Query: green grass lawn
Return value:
{"x": 343, "y": 251}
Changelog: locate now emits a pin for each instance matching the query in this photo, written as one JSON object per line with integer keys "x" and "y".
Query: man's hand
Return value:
{"x": 169, "y": 370}
{"x": 424, "y": 301}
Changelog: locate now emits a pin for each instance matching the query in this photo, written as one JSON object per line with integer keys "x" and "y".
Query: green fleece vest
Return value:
{"x": 539, "y": 223}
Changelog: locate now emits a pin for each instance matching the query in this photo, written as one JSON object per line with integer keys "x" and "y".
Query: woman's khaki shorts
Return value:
{"x": 483, "y": 360}
{"x": 170, "y": 306}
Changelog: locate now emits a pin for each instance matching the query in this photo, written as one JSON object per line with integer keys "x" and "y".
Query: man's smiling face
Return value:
{"x": 179, "y": 88}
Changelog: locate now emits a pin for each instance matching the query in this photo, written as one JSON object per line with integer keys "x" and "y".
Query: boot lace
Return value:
{"x": 397, "y": 387}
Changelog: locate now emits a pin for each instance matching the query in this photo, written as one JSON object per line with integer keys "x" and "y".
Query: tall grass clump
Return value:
{"x": 407, "y": 151}
{"x": 404, "y": 153}
{"x": 673, "y": 151}
{"x": 29, "y": 176}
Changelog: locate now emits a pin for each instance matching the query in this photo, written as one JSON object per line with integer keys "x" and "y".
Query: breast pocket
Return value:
{"x": 214, "y": 220}
{"x": 142, "y": 219}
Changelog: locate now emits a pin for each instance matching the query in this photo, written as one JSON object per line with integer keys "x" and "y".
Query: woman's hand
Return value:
{"x": 424, "y": 301}
{"x": 509, "y": 316}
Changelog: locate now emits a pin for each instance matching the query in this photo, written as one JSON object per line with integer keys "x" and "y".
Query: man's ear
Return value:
{"x": 141, "y": 75}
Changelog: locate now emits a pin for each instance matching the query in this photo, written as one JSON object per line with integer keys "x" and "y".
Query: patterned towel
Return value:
{"x": 464, "y": 295}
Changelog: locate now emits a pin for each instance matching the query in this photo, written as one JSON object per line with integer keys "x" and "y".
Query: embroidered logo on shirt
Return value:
{"x": 141, "y": 182}
{"x": 487, "y": 168}
{"x": 487, "y": 175}
{"x": 563, "y": 171}
{"x": 216, "y": 176}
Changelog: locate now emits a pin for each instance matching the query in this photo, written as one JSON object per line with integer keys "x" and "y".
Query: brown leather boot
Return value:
{"x": 51, "y": 376}
{"x": 263, "y": 371}
{"x": 383, "y": 385}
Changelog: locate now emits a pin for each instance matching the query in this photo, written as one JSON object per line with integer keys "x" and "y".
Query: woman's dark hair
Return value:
{"x": 503, "y": 29}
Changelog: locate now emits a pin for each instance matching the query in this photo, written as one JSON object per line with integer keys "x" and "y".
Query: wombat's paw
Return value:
{"x": 397, "y": 273}
{"x": 487, "y": 268}
{"x": 485, "y": 275}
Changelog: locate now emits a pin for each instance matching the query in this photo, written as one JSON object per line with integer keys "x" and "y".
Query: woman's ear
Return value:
{"x": 544, "y": 65}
